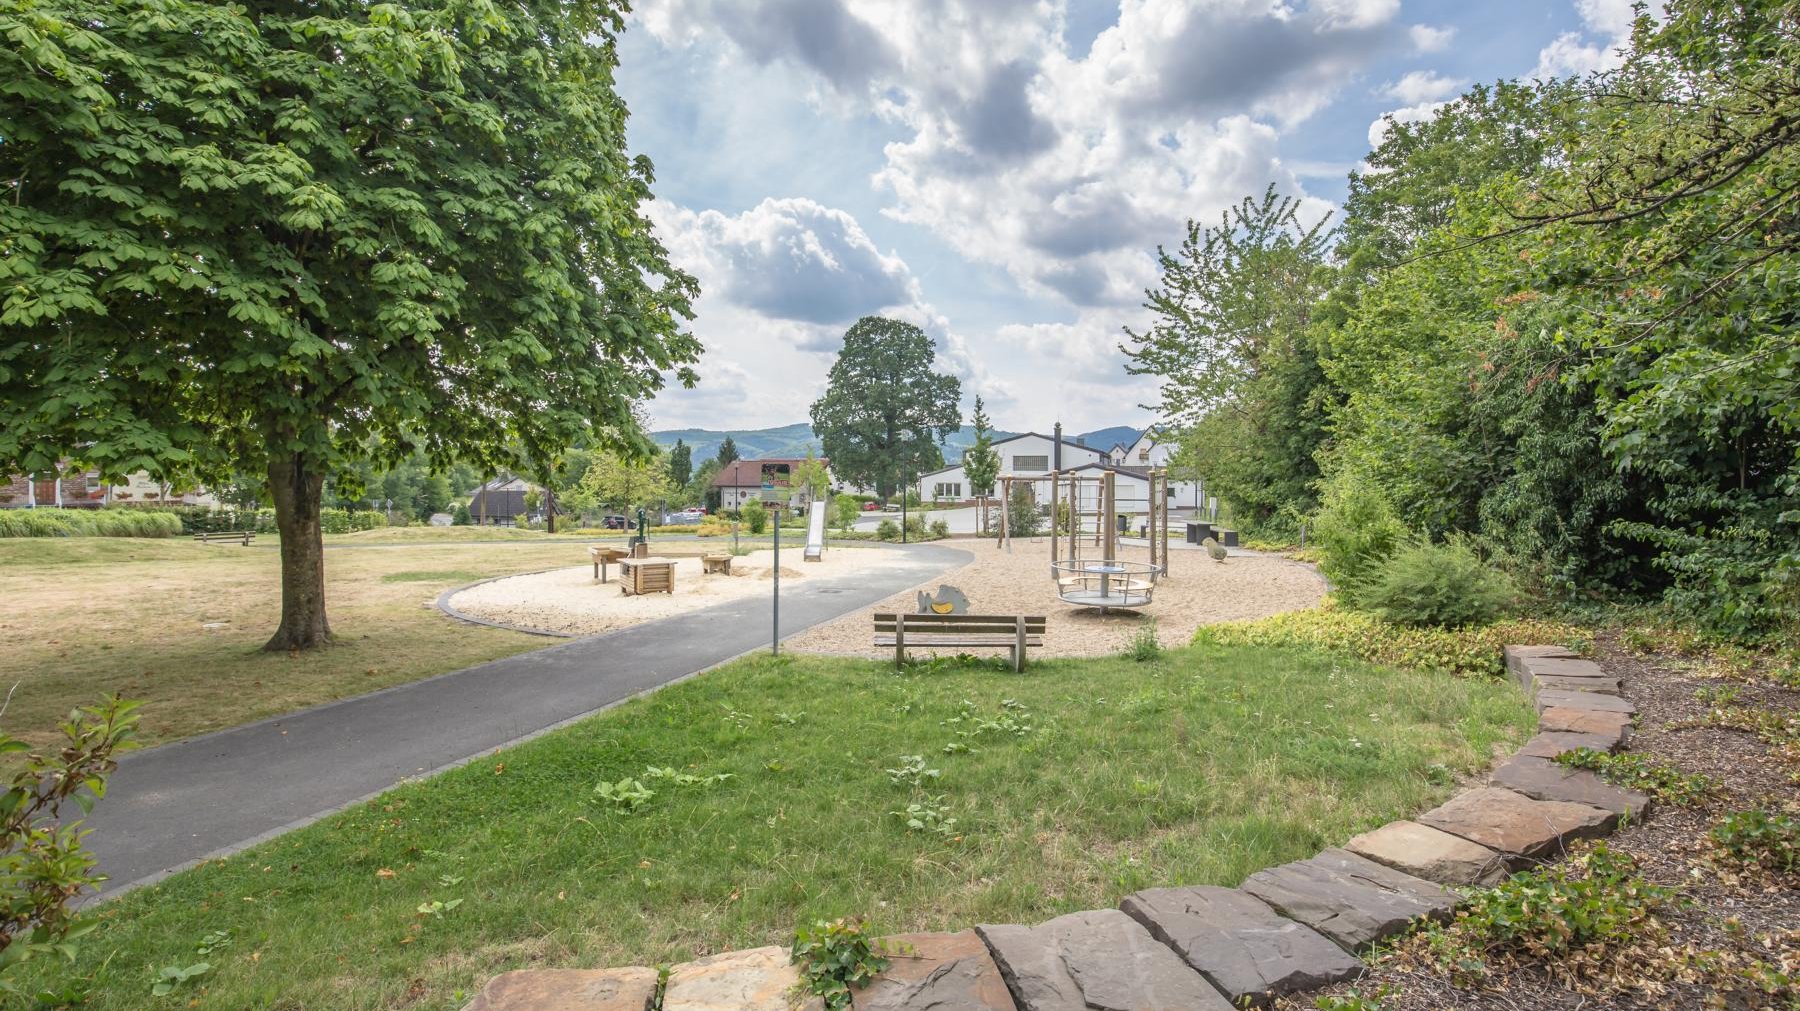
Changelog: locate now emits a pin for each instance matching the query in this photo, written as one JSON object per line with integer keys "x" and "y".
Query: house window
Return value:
{"x": 93, "y": 481}
{"x": 947, "y": 489}
{"x": 1022, "y": 464}
{"x": 1143, "y": 456}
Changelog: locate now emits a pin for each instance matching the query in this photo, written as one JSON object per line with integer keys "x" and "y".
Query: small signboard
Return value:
{"x": 777, "y": 479}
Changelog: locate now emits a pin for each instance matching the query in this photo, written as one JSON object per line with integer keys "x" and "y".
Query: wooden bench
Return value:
{"x": 646, "y": 575}
{"x": 720, "y": 564}
{"x": 601, "y": 555}
{"x": 1006, "y": 631}
{"x": 243, "y": 537}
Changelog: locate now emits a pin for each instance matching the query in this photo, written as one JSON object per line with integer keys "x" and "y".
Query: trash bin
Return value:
{"x": 1198, "y": 531}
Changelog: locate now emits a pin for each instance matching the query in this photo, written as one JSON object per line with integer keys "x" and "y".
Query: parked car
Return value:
{"x": 871, "y": 507}
{"x": 686, "y": 517}
{"x": 614, "y": 522}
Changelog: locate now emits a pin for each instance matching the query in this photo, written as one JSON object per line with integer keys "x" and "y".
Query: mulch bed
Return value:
{"x": 1729, "y": 916}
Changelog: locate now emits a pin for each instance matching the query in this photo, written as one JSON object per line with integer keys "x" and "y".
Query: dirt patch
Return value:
{"x": 1196, "y": 591}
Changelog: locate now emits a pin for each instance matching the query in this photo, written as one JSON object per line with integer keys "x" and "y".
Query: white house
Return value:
{"x": 1033, "y": 455}
{"x": 1025, "y": 455}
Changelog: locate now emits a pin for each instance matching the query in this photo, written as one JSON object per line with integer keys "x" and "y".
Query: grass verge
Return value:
{"x": 760, "y": 796}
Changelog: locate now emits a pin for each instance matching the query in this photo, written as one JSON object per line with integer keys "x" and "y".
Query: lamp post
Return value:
{"x": 775, "y": 640}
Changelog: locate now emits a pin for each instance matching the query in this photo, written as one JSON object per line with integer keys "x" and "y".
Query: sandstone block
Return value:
{"x": 1514, "y": 824}
{"x": 1350, "y": 899}
{"x": 1250, "y": 953}
{"x": 1100, "y": 958}
{"x": 939, "y": 972}
{"x": 568, "y": 990}
{"x": 1426, "y": 852}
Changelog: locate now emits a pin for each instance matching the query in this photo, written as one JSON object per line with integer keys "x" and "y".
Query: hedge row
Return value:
{"x": 88, "y": 523}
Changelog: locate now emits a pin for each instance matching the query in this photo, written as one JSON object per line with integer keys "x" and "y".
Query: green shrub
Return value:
{"x": 834, "y": 957}
{"x": 42, "y": 863}
{"x": 1446, "y": 585}
{"x": 940, "y": 529}
{"x": 459, "y": 517}
{"x": 334, "y": 521}
{"x": 1144, "y": 645}
{"x": 121, "y": 522}
{"x": 756, "y": 516}
{"x": 887, "y": 530}
{"x": 844, "y": 510}
{"x": 1759, "y": 839}
{"x": 1638, "y": 771}
{"x": 915, "y": 528}
{"x": 1464, "y": 651}
{"x": 1582, "y": 906}
{"x": 1356, "y": 529}
{"x": 1022, "y": 519}
{"x": 369, "y": 519}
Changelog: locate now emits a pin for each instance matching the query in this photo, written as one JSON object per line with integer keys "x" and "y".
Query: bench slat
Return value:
{"x": 991, "y": 619}
{"x": 928, "y": 639}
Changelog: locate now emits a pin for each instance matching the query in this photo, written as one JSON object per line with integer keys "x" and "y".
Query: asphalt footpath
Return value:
{"x": 172, "y": 806}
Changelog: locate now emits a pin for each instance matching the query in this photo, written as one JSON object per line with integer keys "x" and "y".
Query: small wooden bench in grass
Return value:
{"x": 243, "y": 537}
{"x": 1006, "y": 631}
{"x": 720, "y": 564}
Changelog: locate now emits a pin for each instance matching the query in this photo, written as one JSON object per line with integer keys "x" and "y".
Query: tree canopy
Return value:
{"x": 980, "y": 461}
{"x": 885, "y": 413}
{"x": 264, "y": 239}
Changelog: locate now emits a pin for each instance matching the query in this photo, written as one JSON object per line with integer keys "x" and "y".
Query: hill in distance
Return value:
{"x": 793, "y": 441}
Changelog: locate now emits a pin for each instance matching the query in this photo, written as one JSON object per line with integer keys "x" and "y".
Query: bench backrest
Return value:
{"x": 970, "y": 623}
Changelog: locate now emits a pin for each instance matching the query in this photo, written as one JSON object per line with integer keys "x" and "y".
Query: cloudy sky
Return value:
{"x": 1001, "y": 171}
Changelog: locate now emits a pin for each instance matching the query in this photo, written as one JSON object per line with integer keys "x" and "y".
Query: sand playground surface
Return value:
{"x": 1196, "y": 591}
{"x": 571, "y": 601}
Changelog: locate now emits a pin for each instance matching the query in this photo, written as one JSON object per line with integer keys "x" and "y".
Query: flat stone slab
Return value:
{"x": 1566, "y": 667}
{"x": 1557, "y": 698}
{"x": 1517, "y": 655}
{"x": 1352, "y": 900}
{"x": 1426, "y": 852}
{"x": 1551, "y": 743}
{"x": 1250, "y": 953}
{"x": 757, "y": 979}
{"x": 1563, "y": 719}
{"x": 1551, "y": 682}
{"x": 1514, "y": 824}
{"x": 1543, "y": 779}
{"x": 568, "y": 990}
{"x": 939, "y": 972}
{"x": 1098, "y": 959}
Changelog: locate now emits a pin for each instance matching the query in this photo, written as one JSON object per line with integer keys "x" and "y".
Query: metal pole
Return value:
{"x": 775, "y": 643}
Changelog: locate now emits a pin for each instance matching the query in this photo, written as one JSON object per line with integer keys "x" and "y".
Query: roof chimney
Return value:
{"x": 1056, "y": 448}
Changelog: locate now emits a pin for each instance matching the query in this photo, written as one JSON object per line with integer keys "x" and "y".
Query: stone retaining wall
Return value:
{"x": 1285, "y": 929}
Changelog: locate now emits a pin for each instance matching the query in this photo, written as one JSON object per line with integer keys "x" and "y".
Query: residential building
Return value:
{"x": 1031, "y": 454}
{"x": 73, "y": 489}
{"x": 501, "y": 501}
{"x": 742, "y": 480}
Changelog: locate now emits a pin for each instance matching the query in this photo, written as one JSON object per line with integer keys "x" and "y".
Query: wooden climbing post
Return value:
{"x": 1111, "y": 520}
{"x": 1055, "y": 497}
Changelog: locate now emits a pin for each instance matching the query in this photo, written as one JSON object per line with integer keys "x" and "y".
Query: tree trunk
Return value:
{"x": 297, "y": 491}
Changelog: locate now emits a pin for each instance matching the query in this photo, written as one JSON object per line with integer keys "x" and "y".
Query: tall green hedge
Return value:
{"x": 89, "y": 523}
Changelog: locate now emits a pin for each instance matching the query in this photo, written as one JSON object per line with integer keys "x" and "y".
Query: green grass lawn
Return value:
{"x": 1070, "y": 786}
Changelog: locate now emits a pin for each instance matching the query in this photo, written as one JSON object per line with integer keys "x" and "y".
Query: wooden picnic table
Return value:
{"x": 720, "y": 564}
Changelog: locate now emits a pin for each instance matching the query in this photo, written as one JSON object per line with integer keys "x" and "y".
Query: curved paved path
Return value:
{"x": 171, "y": 806}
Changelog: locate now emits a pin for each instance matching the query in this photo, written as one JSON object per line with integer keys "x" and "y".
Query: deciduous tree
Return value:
{"x": 267, "y": 237}
{"x": 885, "y": 412}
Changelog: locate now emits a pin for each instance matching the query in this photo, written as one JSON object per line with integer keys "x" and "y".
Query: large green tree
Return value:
{"x": 1230, "y": 339}
{"x": 681, "y": 463}
{"x": 266, "y": 237}
{"x": 981, "y": 463}
{"x": 886, "y": 413}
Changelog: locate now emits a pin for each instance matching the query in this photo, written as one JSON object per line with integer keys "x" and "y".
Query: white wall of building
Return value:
{"x": 1027, "y": 455}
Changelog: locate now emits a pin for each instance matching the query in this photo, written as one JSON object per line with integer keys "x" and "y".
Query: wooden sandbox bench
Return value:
{"x": 720, "y": 564}
{"x": 243, "y": 537}
{"x": 1008, "y": 631}
{"x": 601, "y": 555}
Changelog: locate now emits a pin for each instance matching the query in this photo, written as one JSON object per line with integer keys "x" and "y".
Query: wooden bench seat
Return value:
{"x": 243, "y": 537}
{"x": 1000, "y": 631}
{"x": 715, "y": 563}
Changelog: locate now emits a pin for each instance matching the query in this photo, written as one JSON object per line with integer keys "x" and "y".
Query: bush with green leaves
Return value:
{"x": 1469, "y": 651}
{"x": 940, "y": 529}
{"x": 1022, "y": 519}
{"x": 1144, "y": 646}
{"x": 1445, "y": 585}
{"x": 111, "y": 522}
{"x": 915, "y": 527}
{"x": 1592, "y": 902}
{"x": 42, "y": 863}
{"x": 887, "y": 530}
{"x": 459, "y": 516}
{"x": 1765, "y": 839}
{"x": 834, "y": 957}
{"x": 844, "y": 510}
{"x": 1638, "y": 771}
{"x": 755, "y": 516}
{"x": 1355, "y": 530}
{"x": 334, "y": 521}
